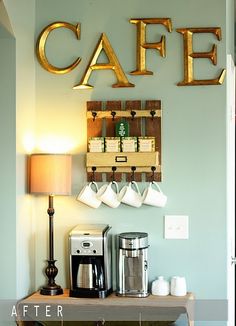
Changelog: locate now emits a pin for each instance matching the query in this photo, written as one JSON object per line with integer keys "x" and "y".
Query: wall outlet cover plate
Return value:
{"x": 176, "y": 227}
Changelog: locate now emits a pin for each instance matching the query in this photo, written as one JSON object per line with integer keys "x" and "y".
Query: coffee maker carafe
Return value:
{"x": 132, "y": 264}
{"x": 90, "y": 261}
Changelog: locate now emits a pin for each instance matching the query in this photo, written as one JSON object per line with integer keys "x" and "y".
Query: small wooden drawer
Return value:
{"x": 122, "y": 161}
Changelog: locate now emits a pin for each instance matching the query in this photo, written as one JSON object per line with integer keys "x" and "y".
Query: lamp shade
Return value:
{"x": 50, "y": 174}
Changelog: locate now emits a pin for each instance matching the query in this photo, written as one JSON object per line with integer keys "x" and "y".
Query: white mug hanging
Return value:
{"x": 154, "y": 197}
{"x": 88, "y": 196}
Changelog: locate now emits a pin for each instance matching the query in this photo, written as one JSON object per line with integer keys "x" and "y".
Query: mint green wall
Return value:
{"x": 8, "y": 163}
{"x": 17, "y": 128}
{"x": 193, "y": 137}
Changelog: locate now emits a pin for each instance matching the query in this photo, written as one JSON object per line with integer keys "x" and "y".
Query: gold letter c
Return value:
{"x": 41, "y": 42}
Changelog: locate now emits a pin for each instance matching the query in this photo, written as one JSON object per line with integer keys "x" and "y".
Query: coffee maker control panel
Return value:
{"x": 83, "y": 246}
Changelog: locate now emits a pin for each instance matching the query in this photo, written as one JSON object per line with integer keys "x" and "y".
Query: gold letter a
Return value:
{"x": 113, "y": 63}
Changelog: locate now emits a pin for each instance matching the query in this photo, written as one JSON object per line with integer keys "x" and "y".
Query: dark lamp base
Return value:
{"x": 51, "y": 290}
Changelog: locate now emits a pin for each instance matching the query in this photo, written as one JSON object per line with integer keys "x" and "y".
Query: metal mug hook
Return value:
{"x": 93, "y": 175}
{"x": 113, "y": 173}
{"x": 153, "y": 168}
{"x": 133, "y": 168}
{"x": 113, "y": 113}
{"x": 133, "y": 114}
{"x": 94, "y": 114}
{"x": 152, "y": 112}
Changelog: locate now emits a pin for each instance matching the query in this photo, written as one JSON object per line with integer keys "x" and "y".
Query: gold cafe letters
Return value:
{"x": 141, "y": 47}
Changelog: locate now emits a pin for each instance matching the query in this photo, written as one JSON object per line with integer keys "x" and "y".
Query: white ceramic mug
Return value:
{"x": 178, "y": 286}
{"x": 130, "y": 196}
{"x": 88, "y": 196}
{"x": 108, "y": 196}
{"x": 154, "y": 197}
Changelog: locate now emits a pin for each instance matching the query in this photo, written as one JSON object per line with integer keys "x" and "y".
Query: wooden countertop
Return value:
{"x": 112, "y": 300}
{"x": 111, "y": 308}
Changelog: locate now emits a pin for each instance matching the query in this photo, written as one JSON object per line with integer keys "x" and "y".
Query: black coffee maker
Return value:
{"x": 90, "y": 261}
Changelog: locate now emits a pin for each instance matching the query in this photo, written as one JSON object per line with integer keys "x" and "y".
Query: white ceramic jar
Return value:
{"x": 178, "y": 286}
{"x": 160, "y": 287}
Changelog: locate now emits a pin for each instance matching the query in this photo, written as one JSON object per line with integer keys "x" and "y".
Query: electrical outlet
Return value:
{"x": 176, "y": 227}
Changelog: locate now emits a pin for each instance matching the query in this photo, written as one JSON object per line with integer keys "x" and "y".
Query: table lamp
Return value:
{"x": 50, "y": 174}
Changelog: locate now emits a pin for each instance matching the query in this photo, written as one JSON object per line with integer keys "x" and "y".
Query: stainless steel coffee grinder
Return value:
{"x": 132, "y": 273}
{"x": 90, "y": 261}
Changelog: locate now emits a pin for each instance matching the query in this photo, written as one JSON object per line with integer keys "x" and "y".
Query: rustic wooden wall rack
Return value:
{"x": 144, "y": 119}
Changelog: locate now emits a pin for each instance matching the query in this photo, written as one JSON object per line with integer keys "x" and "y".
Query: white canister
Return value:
{"x": 160, "y": 287}
{"x": 178, "y": 286}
